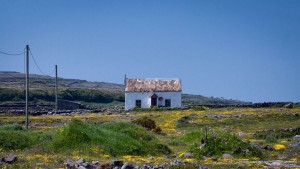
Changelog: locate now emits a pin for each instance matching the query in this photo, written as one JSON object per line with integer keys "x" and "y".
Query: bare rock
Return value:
{"x": 10, "y": 159}
{"x": 127, "y": 166}
{"x": 296, "y": 137}
{"x": 80, "y": 161}
{"x": 227, "y": 156}
{"x": 116, "y": 163}
{"x": 71, "y": 164}
{"x": 188, "y": 155}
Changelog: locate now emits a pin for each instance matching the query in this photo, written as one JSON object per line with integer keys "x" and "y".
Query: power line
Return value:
{"x": 14, "y": 54}
{"x": 39, "y": 66}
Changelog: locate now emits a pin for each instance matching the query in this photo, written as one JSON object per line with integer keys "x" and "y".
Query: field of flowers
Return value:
{"x": 269, "y": 129}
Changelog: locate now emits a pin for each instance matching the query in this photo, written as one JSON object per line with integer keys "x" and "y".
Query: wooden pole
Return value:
{"x": 27, "y": 85}
{"x": 56, "y": 89}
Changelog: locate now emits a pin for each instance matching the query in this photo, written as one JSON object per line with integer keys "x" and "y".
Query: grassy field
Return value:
{"x": 51, "y": 140}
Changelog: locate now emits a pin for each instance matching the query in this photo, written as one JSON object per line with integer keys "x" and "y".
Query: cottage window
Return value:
{"x": 168, "y": 102}
{"x": 138, "y": 103}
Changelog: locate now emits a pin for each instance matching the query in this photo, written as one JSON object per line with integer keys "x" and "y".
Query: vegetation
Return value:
{"x": 103, "y": 137}
{"x": 218, "y": 144}
{"x": 115, "y": 139}
{"x": 42, "y": 90}
{"x": 276, "y": 134}
{"x": 84, "y": 95}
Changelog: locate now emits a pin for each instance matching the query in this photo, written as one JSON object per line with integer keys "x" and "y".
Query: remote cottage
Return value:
{"x": 147, "y": 93}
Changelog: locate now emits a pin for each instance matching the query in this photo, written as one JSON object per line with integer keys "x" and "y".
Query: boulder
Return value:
{"x": 71, "y": 164}
{"x": 226, "y": 156}
{"x": 80, "y": 161}
{"x": 188, "y": 155}
{"x": 95, "y": 162}
{"x": 127, "y": 166}
{"x": 116, "y": 163}
{"x": 10, "y": 159}
{"x": 296, "y": 137}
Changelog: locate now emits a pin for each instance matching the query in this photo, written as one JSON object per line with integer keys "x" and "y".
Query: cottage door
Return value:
{"x": 154, "y": 100}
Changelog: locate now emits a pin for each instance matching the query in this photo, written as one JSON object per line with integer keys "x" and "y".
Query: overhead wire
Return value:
{"x": 11, "y": 54}
{"x": 39, "y": 66}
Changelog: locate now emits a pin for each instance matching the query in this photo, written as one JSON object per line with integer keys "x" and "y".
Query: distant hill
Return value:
{"x": 93, "y": 93}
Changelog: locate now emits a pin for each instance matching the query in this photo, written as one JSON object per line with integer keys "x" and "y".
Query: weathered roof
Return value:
{"x": 153, "y": 85}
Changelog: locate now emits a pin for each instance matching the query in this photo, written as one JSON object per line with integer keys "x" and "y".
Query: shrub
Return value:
{"x": 223, "y": 143}
{"x": 11, "y": 127}
{"x": 72, "y": 135}
{"x": 199, "y": 108}
{"x": 145, "y": 122}
{"x": 11, "y": 140}
{"x": 157, "y": 130}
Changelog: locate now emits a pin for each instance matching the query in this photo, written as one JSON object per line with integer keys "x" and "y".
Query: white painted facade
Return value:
{"x": 145, "y": 97}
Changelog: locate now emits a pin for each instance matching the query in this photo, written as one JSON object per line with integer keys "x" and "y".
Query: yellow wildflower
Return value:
{"x": 279, "y": 147}
{"x": 106, "y": 156}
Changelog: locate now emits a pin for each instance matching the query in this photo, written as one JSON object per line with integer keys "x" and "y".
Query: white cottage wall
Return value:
{"x": 145, "y": 97}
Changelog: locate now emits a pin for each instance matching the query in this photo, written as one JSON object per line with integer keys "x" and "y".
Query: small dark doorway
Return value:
{"x": 154, "y": 100}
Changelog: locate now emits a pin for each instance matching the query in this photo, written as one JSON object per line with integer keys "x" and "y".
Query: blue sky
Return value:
{"x": 237, "y": 49}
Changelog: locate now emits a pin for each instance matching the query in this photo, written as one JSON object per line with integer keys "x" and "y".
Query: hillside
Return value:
{"x": 42, "y": 90}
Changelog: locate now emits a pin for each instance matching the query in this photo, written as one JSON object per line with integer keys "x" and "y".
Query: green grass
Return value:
{"x": 14, "y": 137}
{"x": 102, "y": 134}
{"x": 276, "y": 134}
{"x": 115, "y": 138}
{"x": 222, "y": 142}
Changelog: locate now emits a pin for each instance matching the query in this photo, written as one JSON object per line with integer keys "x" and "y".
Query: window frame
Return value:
{"x": 169, "y": 104}
{"x": 138, "y": 103}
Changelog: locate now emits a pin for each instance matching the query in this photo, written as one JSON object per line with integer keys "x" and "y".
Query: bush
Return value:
{"x": 223, "y": 143}
{"x": 145, "y": 122}
{"x": 14, "y": 137}
{"x": 199, "y": 108}
{"x": 12, "y": 140}
{"x": 11, "y": 127}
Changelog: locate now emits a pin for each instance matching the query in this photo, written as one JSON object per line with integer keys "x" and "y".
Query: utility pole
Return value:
{"x": 125, "y": 78}
{"x": 56, "y": 89}
{"x": 27, "y": 84}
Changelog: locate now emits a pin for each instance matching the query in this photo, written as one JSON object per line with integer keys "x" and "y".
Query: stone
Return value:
{"x": 81, "y": 167}
{"x": 289, "y": 105}
{"x": 276, "y": 163}
{"x": 71, "y": 164}
{"x": 296, "y": 137}
{"x": 268, "y": 147}
{"x": 10, "y": 159}
{"x": 227, "y": 156}
{"x": 188, "y": 155}
{"x": 256, "y": 145}
{"x": 176, "y": 162}
{"x": 116, "y": 163}
{"x": 157, "y": 167}
{"x": 127, "y": 166}
{"x": 146, "y": 166}
{"x": 245, "y": 151}
{"x": 80, "y": 161}
{"x": 89, "y": 165}
{"x": 95, "y": 162}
